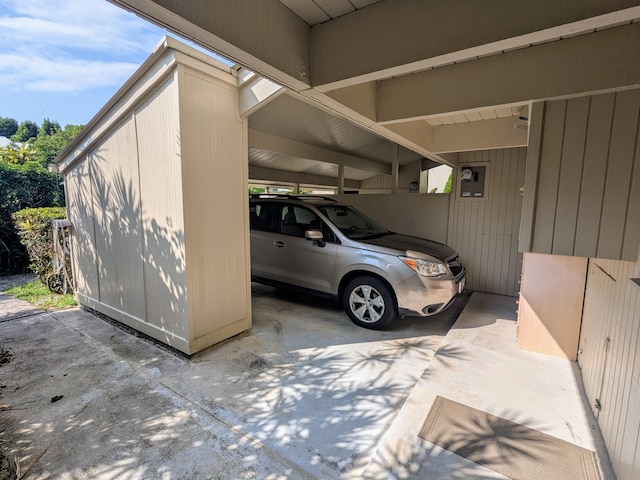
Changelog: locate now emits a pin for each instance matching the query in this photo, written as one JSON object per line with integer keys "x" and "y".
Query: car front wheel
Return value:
{"x": 369, "y": 302}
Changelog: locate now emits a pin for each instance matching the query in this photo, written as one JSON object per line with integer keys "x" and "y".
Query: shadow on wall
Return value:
{"x": 128, "y": 259}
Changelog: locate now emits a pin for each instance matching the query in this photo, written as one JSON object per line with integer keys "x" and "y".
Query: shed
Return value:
{"x": 152, "y": 246}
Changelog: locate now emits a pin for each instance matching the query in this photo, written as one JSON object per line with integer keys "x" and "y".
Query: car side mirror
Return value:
{"x": 315, "y": 235}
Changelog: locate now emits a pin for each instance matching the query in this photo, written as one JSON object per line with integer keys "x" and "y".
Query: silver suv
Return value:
{"x": 317, "y": 245}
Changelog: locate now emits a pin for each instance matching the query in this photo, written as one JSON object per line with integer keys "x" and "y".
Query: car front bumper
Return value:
{"x": 424, "y": 296}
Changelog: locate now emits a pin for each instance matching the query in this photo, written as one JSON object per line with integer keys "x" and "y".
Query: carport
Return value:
{"x": 542, "y": 103}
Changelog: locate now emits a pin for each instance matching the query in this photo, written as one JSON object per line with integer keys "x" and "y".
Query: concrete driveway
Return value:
{"x": 304, "y": 394}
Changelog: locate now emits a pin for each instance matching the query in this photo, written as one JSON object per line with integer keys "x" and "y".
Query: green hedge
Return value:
{"x": 36, "y": 234}
{"x": 22, "y": 187}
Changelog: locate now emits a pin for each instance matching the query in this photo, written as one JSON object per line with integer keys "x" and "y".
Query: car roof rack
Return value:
{"x": 290, "y": 196}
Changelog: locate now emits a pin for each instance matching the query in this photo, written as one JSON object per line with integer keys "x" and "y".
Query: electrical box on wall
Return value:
{"x": 472, "y": 181}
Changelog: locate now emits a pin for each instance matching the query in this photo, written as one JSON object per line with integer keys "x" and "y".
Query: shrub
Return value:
{"x": 22, "y": 186}
{"x": 36, "y": 234}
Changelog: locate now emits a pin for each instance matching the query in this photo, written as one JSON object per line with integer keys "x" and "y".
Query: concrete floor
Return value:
{"x": 304, "y": 394}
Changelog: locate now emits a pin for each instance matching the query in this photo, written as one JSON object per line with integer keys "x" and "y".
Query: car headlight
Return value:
{"x": 426, "y": 268}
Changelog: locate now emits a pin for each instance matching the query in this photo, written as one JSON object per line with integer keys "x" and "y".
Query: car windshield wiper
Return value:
{"x": 377, "y": 235}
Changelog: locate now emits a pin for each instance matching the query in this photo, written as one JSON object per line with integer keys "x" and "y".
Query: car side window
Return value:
{"x": 289, "y": 222}
{"x": 296, "y": 220}
{"x": 261, "y": 216}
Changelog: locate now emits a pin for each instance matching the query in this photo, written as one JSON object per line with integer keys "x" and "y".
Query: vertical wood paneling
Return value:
{"x": 570, "y": 174}
{"x": 587, "y": 199}
{"x": 611, "y": 318}
{"x": 515, "y": 264}
{"x": 594, "y": 174}
{"x": 547, "y": 197}
{"x": 632, "y": 227}
{"x": 80, "y": 208}
{"x": 406, "y": 174}
{"x": 532, "y": 170}
{"x": 160, "y": 202}
{"x": 158, "y": 134}
{"x": 617, "y": 186}
{"x": 485, "y": 232}
{"x": 216, "y": 230}
{"x": 116, "y": 209}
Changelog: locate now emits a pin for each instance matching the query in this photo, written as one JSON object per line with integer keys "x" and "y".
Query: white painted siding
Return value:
{"x": 485, "y": 231}
{"x": 609, "y": 356}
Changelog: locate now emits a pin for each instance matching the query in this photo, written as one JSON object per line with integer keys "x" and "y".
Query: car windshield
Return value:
{"x": 352, "y": 223}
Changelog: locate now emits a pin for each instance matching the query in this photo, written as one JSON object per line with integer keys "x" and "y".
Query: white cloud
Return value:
{"x": 70, "y": 45}
{"x": 74, "y": 24}
{"x": 36, "y": 73}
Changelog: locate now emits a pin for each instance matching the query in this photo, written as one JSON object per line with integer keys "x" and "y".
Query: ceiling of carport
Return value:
{"x": 290, "y": 119}
{"x": 320, "y": 11}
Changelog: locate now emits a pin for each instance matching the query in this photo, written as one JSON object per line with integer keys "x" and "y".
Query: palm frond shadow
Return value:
{"x": 449, "y": 355}
{"x": 492, "y": 440}
{"x": 488, "y": 441}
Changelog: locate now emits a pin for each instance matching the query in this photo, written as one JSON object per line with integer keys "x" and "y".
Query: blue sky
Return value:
{"x": 64, "y": 59}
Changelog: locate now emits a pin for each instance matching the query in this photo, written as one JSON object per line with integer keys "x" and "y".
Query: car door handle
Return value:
{"x": 280, "y": 244}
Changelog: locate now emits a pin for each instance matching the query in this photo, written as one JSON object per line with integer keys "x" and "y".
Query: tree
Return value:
{"x": 47, "y": 146}
{"x": 17, "y": 154}
{"x": 8, "y": 126}
{"x": 447, "y": 186}
{"x": 48, "y": 127}
{"x": 26, "y": 131}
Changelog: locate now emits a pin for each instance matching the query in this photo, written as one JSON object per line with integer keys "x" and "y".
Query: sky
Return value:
{"x": 64, "y": 59}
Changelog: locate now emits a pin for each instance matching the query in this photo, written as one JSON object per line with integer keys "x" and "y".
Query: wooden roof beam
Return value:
{"x": 265, "y": 35}
{"x": 389, "y": 39}
{"x": 601, "y": 61}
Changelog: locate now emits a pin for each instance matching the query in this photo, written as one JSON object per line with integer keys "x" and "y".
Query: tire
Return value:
{"x": 369, "y": 302}
{"x": 55, "y": 283}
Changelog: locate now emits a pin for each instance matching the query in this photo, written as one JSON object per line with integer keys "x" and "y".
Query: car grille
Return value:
{"x": 455, "y": 266}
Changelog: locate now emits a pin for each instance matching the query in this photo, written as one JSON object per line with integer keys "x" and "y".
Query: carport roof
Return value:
{"x": 431, "y": 77}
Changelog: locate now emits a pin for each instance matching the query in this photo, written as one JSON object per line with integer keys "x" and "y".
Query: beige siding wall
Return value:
{"x": 381, "y": 183}
{"x": 83, "y": 244}
{"x": 126, "y": 209}
{"x": 425, "y": 216}
{"x": 485, "y": 231}
{"x": 609, "y": 355}
{"x": 159, "y": 161}
{"x": 159, "y": 212}
{"x": 214, "y": 146}
{"x": 583, "y": 194}
{"x": 118, "y": 231}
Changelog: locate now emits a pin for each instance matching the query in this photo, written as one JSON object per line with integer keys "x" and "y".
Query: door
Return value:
{"x": 302, "y": 262}
{"x": 262, "y": 219}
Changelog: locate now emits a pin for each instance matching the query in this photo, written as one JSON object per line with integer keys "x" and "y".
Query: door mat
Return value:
{"x": 511, "y": 449}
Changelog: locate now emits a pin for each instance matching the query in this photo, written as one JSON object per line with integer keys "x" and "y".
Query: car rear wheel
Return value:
{"x": 369, "y": 302}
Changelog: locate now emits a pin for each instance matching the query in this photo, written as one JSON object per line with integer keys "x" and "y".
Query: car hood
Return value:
{"x": 406, "y": 243}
